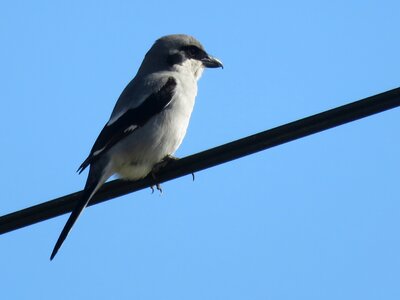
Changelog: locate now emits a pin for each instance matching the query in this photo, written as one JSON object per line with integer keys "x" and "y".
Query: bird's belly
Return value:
{"x": 135, "y": 157}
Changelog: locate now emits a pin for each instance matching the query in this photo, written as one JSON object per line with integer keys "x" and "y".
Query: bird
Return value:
{"x": 149, "y": 120}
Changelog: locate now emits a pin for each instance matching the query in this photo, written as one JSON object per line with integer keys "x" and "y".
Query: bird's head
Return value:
{"x": 179, "y": 52}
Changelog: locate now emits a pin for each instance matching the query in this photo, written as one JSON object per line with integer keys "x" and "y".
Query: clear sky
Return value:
{"x": 317, "y": 218}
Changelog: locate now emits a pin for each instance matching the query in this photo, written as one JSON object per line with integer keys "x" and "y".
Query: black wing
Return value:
{"x": 130, "y": 121}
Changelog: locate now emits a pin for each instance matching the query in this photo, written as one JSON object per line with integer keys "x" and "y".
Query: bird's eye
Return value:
{"x": 192, "y": 51}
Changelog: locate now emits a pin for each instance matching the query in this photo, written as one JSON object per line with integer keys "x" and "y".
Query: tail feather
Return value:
{"x": 87, "y": 195}
{"x": 92, "y": 185}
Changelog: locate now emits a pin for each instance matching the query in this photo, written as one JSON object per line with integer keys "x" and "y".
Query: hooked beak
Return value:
{"x": 211, "y": 62}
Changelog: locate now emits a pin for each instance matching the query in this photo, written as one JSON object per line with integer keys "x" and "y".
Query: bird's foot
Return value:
{"x": 158, "y": 187}
{"x": 165, "y": 161}
{"x": 157, "y": 167}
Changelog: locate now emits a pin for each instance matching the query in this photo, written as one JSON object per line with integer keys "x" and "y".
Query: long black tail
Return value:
{"x": 80, "y": 206}
{"x": 93, "y": 183}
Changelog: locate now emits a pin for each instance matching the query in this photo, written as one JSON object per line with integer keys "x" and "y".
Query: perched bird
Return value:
{"x": 149, "y": 120}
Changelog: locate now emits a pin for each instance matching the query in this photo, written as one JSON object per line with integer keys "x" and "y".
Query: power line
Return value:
{"x": 210, "y": 158}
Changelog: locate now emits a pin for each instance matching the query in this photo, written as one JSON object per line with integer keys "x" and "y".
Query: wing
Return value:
{"x": 131, "y": 120}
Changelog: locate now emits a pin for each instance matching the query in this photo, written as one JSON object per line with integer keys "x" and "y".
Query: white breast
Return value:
{"x": 135, "y": 156}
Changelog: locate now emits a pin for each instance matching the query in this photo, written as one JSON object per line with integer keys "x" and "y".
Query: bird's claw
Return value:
{"x": 165, "y": 161}
{"x": 158, "y": 187}
{"x": 158, "y": 167}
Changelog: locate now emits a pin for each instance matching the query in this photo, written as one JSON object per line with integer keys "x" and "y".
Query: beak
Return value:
{"x": 211, "y": 62}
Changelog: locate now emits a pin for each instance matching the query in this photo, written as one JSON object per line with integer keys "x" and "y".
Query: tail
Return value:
{"x": 93, "y": 183}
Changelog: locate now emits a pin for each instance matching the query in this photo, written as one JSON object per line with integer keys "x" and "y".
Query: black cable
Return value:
{"x": 212, "y": 157}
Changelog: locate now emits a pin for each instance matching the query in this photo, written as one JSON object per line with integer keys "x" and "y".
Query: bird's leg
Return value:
{"x": 158, "y": 186}
{"x": 167, "y": 159}
{"x": 157, "y": 167}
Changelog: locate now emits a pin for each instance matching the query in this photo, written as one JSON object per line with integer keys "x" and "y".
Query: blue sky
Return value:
{"x": 317, "y": 218}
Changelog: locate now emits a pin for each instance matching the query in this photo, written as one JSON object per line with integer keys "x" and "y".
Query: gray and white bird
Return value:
{"x": 149, "y": 120}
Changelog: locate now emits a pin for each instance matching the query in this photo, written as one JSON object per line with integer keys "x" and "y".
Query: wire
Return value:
{"x": 210, "y": 158}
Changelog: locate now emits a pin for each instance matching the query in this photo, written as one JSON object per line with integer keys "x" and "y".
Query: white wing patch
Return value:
{"x": 98, "y": 151}
{"x": 115, "y": 118}
{"x": 131, "y": 128}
